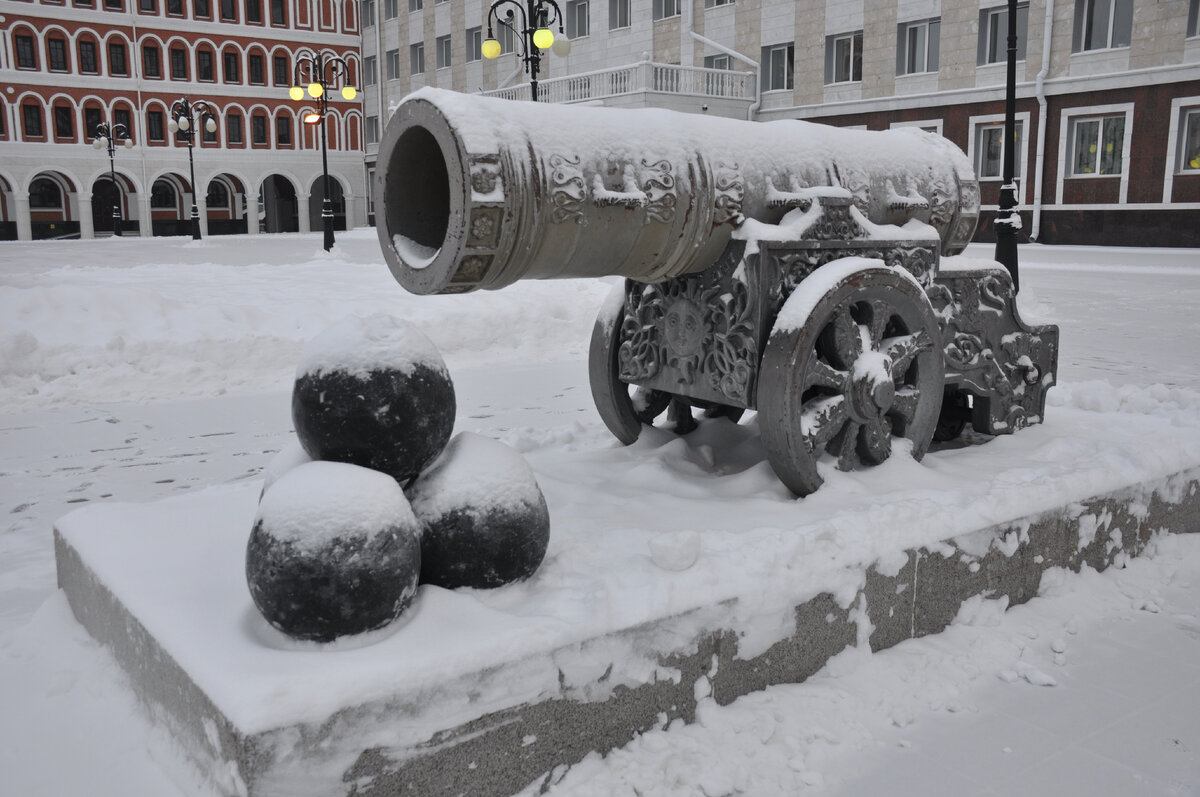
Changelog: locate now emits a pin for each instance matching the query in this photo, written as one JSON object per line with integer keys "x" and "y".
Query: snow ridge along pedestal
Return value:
{"x": 440, "y": 729}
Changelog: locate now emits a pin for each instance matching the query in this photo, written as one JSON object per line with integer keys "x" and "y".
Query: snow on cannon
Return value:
{"x": 785, "y": 267}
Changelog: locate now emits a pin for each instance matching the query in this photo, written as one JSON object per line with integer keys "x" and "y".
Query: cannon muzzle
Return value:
{"x": 478, "y": 192}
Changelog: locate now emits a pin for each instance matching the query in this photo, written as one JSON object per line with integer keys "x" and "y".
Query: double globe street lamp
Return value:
{"x": 183, "y": 124}
{"x": 534, "y": 33}
{"x": 318, "y": 71}
{"x": 107, "y": 135}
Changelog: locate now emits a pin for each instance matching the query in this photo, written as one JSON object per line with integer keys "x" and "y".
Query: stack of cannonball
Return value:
{"x": 375, "y": 497}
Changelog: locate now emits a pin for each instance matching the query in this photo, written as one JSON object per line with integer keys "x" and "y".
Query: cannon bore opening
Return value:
{"x": 417, "y": 197}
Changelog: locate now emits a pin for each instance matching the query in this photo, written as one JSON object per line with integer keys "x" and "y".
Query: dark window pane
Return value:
{"x": 254, "y": 10}
{"x": 202, "y": 9}
{"x": 228, "y": 9}
{"x": 162, "y": 195}
{"x": 117, "y": 64}
{"x": 91, "y": 119}
{"x": 147, "y": 5}
{"x": 150, "y": 61}
{"x": 178, "y": 63}
{"x": 64, "y": 122}
{"x": 87, "y": 58}
{"x": 218, "y": 195}
{"x": 231, "y": 68}
{"x": 204, "y": 65}
{"x": 259, "y": 131}
{"x": 113, "y": 5}
{"x": 233, "y": 128}
{"x": 25, "y": 54}
{"x": 278, "y": 17}
{"x": 282, "y": 78}
{"x": 58, "y": 54}
{"x": 31, "y": 115}
{"x": 256, "y": 69}
{"x": 45, "y": 193}
{"x": 283, "y": 131}
{"x": 154, "y": 126}
{"x": 175, "y": 7}
{"x": 121, "y": 117}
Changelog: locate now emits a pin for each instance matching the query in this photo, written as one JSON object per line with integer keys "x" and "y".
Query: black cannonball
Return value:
{"x": 335, "y": 551}
{"x": 484, "y": 520}
{"x": 373, "y": 392}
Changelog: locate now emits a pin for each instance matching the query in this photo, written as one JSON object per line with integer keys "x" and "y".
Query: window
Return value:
{"x": 370, "y": 70}
{"x": 218, "y": 195}
{"x": 391, "y": 9}
{"x": 778, "y": 67}
{"x": 200, "y": 8}
{"x": 718, "y": 62}
{"x": 917, "y": 47}
{"x": 283, "y": 131}
{"x": 25, "y": 52}
{"x": 162, "y": 195}
{"x": 229, "y": 10}
{"x": 113, "y": 5}
{"x": 1193, "y": 25}
{"x": 154, "y": 126}
{"x": 64, "y": 122}
{"x": 150, "y": 64}
{"x": 578, "y": 24}
{"x": 117, "y": 62}
{"x": 368, "y": 13}
{"x": 415, "y": 5}
{"x": 475, "y": 42}
{"x": 507, "y": 39}
{"x": 57, "y": 51}
{"x": 393, "y": 64}
{"x": 416, "y": 58}
{"x": 715, "y": 3}
{"x": 45, "y": 194}
{"x": 87, "y": 58}
{"x": 233, "y": 128}
{"x": 121, "y": 117}
{"x": 1189, "y": 141}
{"x": 443, "y": 52}
{"x": 282, "y": 73}
{"x": 179, "y": 69}
{"x": 258, "y": 129}
{"x": 843, "y": 58}
{"x": 989, "y": 150}
{"x": 1096, "y": 145}
{"x": 618, "y": 14}
{"x": 232, "y": 68}
{"x": 175, "y": 8}
{"x": 1102, "y": 24}
{"x": 148, "y": 6}
{"x": 993, "y": 34}
{"x": 91, "y": 120}
{"x": 278, "y": 13}
{"x": 204, "y": 65}
{"x": 31, "y": 118}
{"x": 372, "y": 130}
{"x": 254, "y": 11}
{"x": 255, "y": 69}
{"x": 664, "y": 9}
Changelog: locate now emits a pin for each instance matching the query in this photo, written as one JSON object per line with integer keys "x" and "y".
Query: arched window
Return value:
{"x": 218, "y": 195}
{"x": 162, "y": 195}
{"x": 45, "y": 194}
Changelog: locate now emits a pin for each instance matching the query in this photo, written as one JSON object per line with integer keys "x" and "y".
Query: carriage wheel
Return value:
{"x": 854, "y": 360}
{"x": 625, "y": 409}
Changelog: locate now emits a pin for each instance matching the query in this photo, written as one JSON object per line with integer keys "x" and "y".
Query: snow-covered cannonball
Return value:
{"x": 335, "y": 551}
{"x": 484, "y": 521}
{"x": 373, "y": 392}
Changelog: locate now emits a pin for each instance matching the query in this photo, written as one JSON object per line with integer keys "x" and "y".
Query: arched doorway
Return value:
{"x": 278, "y": 209}
{"x": 167, "y": 216}
{"x": 50, "y": 207}
{"x": 226, "y": 204}
{"x": 106, "y": 194}
{"x": 316, "y": 199}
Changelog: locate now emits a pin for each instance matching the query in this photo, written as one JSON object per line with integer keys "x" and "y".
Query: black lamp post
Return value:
{"x": 1007, "y": 220}
{"x": 108, "y": 134}
{"x": 320, "y": 71}
{"x": 183, "y": 124}
{"x": 534, "y": 33}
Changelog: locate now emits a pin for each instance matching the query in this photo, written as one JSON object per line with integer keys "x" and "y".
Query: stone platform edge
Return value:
{"x": 506, "y": 749}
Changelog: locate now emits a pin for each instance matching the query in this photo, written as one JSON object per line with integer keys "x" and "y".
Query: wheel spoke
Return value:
{"x": 905, "y": 403}
{"x": 820, "y": 420}
{"x": 822, "y": 374}
{"x": 847, "y": 336}
{"x": 881, "y": 313}
{"x": 903, "y": 349}
{"x": 877, "y": 440}
{"x": 848, "y": 450}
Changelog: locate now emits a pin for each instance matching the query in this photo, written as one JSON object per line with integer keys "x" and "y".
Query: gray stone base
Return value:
{"x": 505, "y": 748}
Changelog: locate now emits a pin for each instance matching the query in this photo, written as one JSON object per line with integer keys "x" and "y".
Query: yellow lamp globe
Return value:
{"x": 490, "y": 48}
{"x": 315, "y": 89}
{"x": 296, "y": 93}
{"x": 543, "y": 38}
{"x": 349, "y": 92}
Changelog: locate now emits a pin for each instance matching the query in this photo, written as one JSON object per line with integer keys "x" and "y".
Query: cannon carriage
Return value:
{"x": 805, "y": 272}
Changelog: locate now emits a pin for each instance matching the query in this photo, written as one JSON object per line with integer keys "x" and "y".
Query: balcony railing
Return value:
{"x": 644, "y": 77}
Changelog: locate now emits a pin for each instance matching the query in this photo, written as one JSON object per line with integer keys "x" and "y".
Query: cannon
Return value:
{"x": 809, "y": 273}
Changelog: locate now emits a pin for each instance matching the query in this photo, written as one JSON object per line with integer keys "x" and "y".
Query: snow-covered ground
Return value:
{"x": 133, "y": 370}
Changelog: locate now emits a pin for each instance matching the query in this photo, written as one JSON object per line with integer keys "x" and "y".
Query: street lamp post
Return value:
{"x": 1008, "y": 221}
{"x": 320, "y": 70}
{"x": 183, "y": 123}
{"x": 107, "y": 135}
{"x": 534, "y": 33}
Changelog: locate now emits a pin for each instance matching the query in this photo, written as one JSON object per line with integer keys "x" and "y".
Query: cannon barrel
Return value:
{"x": 477, "y": 192}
